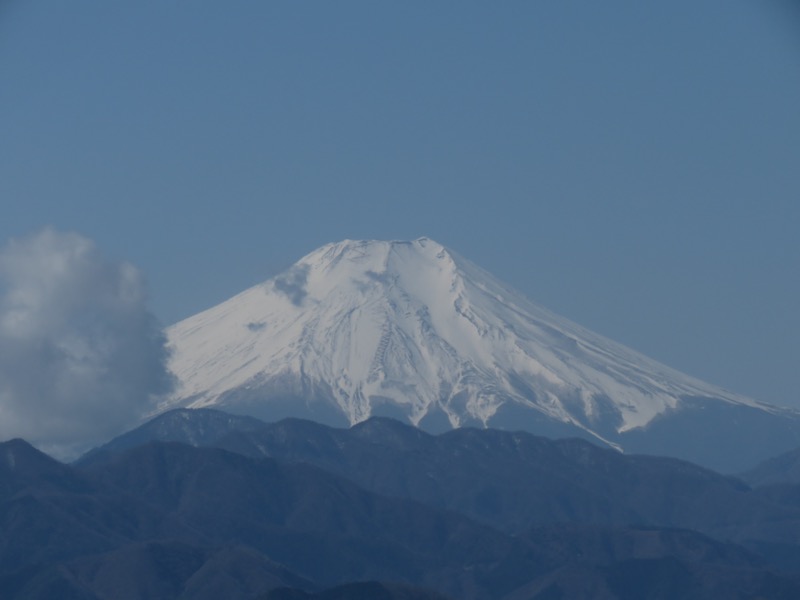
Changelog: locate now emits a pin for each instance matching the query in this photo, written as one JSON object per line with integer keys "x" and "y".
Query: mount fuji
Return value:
{"x": 414, "y": 331}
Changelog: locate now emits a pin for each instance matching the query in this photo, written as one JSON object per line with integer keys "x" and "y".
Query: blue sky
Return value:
{"x": 634, "y": 166}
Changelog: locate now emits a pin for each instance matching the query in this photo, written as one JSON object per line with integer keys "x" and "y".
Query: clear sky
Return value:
{"x": 634, "y": 166}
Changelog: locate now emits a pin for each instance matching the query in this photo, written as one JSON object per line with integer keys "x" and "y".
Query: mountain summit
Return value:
{"x": 414, "y": 331}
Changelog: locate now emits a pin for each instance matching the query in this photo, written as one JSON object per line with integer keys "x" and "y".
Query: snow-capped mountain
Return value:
{"x": 413, "y": 330}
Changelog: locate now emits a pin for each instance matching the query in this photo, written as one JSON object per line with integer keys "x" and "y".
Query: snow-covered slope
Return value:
{"x": 411, "y": 329}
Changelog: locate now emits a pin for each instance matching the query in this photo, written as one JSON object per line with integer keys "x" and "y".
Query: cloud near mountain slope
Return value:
{"x": 81, "y": 356}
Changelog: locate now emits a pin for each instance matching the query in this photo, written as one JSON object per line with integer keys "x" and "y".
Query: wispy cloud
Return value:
{"x": 81, "y": 356}
{"x": 293, "y": 284}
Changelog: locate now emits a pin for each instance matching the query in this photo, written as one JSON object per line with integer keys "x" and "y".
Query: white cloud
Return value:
{"x": 81, "y": 356}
